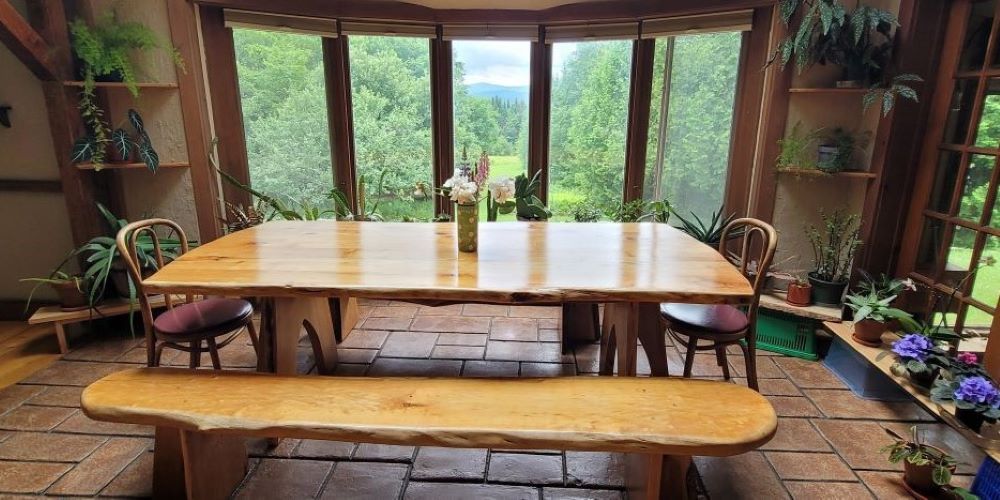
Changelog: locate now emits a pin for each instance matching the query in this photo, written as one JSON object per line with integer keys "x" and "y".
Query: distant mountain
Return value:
{"x": 492, "y": 90}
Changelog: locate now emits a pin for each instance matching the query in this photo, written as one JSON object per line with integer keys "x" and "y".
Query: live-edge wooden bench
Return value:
{"x": 203, "y": 417}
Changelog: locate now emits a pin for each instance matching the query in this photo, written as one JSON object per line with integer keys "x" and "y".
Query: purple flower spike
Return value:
{"x": 977, "y": 390}
{"x": 913, "y": 346}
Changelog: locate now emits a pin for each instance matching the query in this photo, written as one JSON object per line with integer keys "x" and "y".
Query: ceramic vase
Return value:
{"x": 467, "y": 218}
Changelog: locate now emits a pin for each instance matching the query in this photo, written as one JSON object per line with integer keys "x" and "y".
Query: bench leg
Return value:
{"x": 656, "y": 477}
{"x": 197, "y": 465}
{"x": 61, "y": 337}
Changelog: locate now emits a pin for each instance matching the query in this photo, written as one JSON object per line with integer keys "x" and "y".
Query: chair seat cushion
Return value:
{"x": 708, "y": 317}
{"x": 204, "y": 316}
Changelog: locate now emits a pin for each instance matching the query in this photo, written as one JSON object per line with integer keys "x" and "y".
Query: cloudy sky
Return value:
{"x": 504, "y": 63}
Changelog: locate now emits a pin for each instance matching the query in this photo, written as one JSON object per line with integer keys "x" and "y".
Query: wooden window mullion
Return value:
{"x": 337, "y": 70}
{"x": 640, "y": 96}
{"x": 539, "y": 102}
{"x": 442, "y": 117}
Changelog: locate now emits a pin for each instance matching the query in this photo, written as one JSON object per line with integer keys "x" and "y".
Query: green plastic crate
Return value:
{"x": 786, "y": 334}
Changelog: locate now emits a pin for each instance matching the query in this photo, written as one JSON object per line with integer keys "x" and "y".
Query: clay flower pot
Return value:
{"x": 869, "y": 332}
{"x": 920, "y": 478}
{"x": 799, "y": 295}
{"x": 70, "y": 297}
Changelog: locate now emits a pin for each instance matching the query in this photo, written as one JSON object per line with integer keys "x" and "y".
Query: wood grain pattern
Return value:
{"x": 25, "y": 43}
{"x": 516, "y": 263}
{"x": 678, "y": 417}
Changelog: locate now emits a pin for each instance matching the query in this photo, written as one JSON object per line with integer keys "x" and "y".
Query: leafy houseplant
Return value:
{"x": 872, "y": 315}
{"x": 90, "y": 148}
{"x": 833, "y": 252}
{"x": 794, "y": 149}
{"x": 103, "y": 50}
{"x": 837, "y": 148}
{"x": 799, "y": 291}
{"x": 926, "y": 469}
{"x": 861, "y": 41}
{"x": 586, "y": 212}
{"x": 710, "y": 233}
{"x": 631, "y": 211}
{"x": 72, "y": 289}
{"x": 529, "y": 206}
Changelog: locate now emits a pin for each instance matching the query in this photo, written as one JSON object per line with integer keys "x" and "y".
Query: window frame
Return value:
{"x": 223, "y": 86}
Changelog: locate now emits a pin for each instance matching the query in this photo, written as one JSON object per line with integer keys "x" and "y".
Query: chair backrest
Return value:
{"x": 749, "y": 245}
{"x": 141, "y": 248}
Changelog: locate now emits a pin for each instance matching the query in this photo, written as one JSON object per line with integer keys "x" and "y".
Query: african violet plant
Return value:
{"x": 918, "y": 358}
{"x": 103, "y": 49}
{"x": 976, "y": 399}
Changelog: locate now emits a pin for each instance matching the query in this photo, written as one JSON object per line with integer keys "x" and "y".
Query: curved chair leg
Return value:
{"x": 720, "y": 356}
{"x": 252, "y": 333}
{"x": 195, "y": 355}
{"x": 157, "y": 354}
{"x": 692, "y": 348}
{"x": 213, "y": 350}
{"x": 750, "y": 359}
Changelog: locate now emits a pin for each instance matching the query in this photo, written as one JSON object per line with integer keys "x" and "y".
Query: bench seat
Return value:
{"x": 667, "y": 420}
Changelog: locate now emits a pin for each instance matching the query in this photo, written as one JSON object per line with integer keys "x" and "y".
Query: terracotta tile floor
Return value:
{"x": 826, "y": 446}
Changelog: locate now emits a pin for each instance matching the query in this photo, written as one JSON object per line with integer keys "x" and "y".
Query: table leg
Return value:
{"x": 345, "y": 313}
{"x": 625, "y": 323}
{"x": 291, "y": 314}
{"x": 580, "y": 324}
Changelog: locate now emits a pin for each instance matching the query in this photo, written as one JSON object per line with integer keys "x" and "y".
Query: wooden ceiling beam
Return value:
{"x": 26, "y": 44}
{"x": 600, "y": 10}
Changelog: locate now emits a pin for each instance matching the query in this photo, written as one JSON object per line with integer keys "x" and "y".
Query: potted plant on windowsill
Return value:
{"x": 927, "y": 470}
{"x": 529, "y": 207}
{"x": 872, "y": 315}
{"x": 709, "y": 233}
{"x": 833, "y": 250}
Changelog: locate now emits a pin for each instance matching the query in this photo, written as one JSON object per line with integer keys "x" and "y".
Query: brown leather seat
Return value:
{"x": 196, "y": 318}
{"x": 708, "y": 317}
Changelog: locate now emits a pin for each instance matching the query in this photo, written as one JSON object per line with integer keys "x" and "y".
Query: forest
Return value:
{"x": 285, "y": 118}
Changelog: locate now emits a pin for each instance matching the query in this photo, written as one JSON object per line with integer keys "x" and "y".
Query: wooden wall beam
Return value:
{"x": 921, "y": 39}
{"x": 640, "y": 97}
{"x": 227, "y": 109}
{"x": 754, "y": 53}
{"x": 539, "y": 109}
{"x": 340, "y": 116}
{"x": 194, "y": 108}
{"x": 442, "y": 118}
{"x": 602, "y": 10}
{"x": 30, "y": 186}
{"x": 26, "y": 44}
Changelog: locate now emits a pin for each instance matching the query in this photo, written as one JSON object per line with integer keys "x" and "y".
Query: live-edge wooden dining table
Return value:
{"x": 299, "y": 266}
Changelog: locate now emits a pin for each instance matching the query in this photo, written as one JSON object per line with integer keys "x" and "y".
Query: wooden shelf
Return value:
{"x": 121, "y": 85}
{"x": 775, "y": 301}
{"x": 815, "y": 172}
{"x": 126, "y": 166}
{"x": 845, "y": 332}
{"x": 826, "y": 90}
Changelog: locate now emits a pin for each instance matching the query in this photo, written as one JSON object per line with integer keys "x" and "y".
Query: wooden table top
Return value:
{"x": 517, "y": 263}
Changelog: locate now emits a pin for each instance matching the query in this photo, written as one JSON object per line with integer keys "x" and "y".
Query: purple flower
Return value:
{"x": 967, "y": 358}
{"x": 913, "y": 346}
{"x": 977, "y": 390}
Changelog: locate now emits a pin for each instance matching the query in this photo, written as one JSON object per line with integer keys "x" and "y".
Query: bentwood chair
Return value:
{"x": 749, "y": 245}
{"x": 186, "y": 324}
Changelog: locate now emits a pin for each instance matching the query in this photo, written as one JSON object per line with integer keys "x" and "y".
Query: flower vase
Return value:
{"x": 467, "y": 218}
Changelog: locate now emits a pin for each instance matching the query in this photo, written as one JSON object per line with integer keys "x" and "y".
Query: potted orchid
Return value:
{"x": 918, "y": 359}
{"x": 465, "y": 188}
{"x": 976, "y": 399}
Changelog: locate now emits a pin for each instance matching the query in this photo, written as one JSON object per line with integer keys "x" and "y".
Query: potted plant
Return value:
{"x": 585, "y": 211}
{"x": 861, "y": 41}
{"x": 918, "y": 359}
{"x": 837, "y": 148}
{"x": 799, "y": 292}
{"x": 529, "y": 206}
{"x": 90, "y": 148}
{"x": 631, "y": 211}
{"x": 872, "y": 316}
{"x": 927, "y": 469}
{"x": 659, "y": 211}
{"x": 72, "y": 289}
{"x": 709, "y": 233}
{"x": 976, "y": 399}
{"x": 833, "y": 251}
{"x": 103, "y": 51}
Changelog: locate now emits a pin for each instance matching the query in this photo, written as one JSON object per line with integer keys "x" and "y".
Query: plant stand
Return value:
{"x": 60, "y": 318}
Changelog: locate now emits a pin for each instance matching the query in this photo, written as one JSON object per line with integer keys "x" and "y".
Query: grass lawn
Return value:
{"x": 986, "y": 285}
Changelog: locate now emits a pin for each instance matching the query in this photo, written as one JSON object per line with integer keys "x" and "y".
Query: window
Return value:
{"x": 957, "y": 229}
{"x": 491, "y": 82}
{"x": 283, "y": 96}
{"x": 589, "y": 115}
{"x": 690, "y": 121}
{"x": 390, "y": 93}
